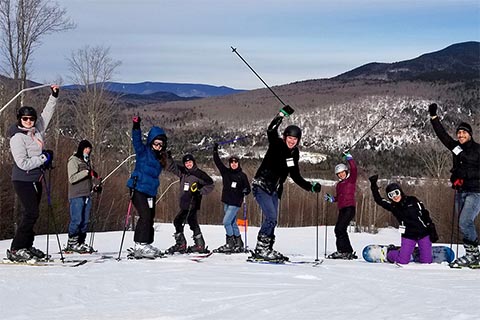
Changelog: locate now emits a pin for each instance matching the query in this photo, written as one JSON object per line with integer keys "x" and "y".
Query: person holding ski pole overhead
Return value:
{"x": 415, "y": 224}
{"x": 194, "y": 183}
{"x": 81, "y": 178}
{"x": 235, "y": 188}
{"x": 27, "y": 144}
{"x": 144, "y": 183}
{"x": 345, "y": 199}
{"x": 280, "y": 160}
{"x": 465, "y": 180}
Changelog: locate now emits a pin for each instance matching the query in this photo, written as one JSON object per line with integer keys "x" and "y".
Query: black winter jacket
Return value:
{"x": 409, "y": 211}
{"x": 278, "y": 163}
{"x": 466, "y": 159}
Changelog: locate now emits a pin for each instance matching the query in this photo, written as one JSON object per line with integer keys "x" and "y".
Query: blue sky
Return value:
{"x": 284, "y": 41}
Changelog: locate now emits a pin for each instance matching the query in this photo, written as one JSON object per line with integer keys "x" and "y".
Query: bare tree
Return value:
{"x": 435, "y": 157}
{"x": 94, "y": 106}
{"x": 23, "y": 23}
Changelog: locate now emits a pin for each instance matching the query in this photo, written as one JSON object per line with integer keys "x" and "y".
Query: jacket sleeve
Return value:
{"x": 384, "y": 203}
{"x": 295, "y": 173}
{"x": 205, "y": 180}
{"x": 174, "y": 168}
{"x": 138, "y": 145}
{"x": 447, "y": 141}
{"x": 221, "y": 167}
{"x": 74, "y": 175}
{"x": 246, "y": 184}
{"x": 353, "y": 170}
{"x": 20, "y": 156}
{"x": 46, "y": 116}
{"x": 272, "y": 131}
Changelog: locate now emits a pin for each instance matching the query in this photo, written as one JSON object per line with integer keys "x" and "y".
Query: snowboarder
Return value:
{"x": 345, "y": 198}
{"x": 83, "y": 181}
{"x": 414, "y": 222}
{"x": 144, "y": 183}
{"x": 235, "y": 188}
{"x": 30, "y": 162}
{"x": 465, "y": 180}
{"x": 280, "y": 161}
{"x": 194, "y": 183}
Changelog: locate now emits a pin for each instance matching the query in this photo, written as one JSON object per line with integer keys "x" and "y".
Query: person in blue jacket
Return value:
{"x": 144, "y": 183}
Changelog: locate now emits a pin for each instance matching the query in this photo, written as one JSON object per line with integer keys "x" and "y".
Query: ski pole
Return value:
{"x": 363, "y": 136}
{"x": 127, "y": 217}
{"x": 209, "y": 146}
{"x": 316, "y": 245}
{"x": 163, "y": 193}
{"x": 326, "y": 229}
{"x": 245, "y": 220}
{"x": 117, "y": 167}
{"x": 22, "y": 91}
{"x": 254, "y": 72}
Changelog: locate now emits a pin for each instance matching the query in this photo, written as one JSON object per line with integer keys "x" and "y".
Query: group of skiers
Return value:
{"x": 32, "y": 160}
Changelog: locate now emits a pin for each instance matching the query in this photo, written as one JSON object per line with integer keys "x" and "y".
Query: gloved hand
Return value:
{"x": 329, "y": 198}
{"x": 55, "y": 90}
{"x": 98, "y": 188}
{"x": 47, "y": 158}
{"x": 215, "y": 147}
{"x": 373, "y": 179}
{"x": 347, "y": 156}
{"x": 432, "y": 109}
{"x": 316, "y": 187}
{"x": 245, "y": 191}
{"x": 136, "y": 123}
{"x": 92, "y": 173}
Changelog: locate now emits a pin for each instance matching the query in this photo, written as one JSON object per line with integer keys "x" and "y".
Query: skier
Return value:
{"x": 144, "y": 183}
{"x": 81, "y": 178}
{"x": 345, "y": 197}
{"x": 194, "y": 183}
{"x": 465, "y": 180}
{"x": 235, "y": 188}
{"x": 30, "y": 162}
{"x": 280, "y": 161}
{"x": 414, "y": 222}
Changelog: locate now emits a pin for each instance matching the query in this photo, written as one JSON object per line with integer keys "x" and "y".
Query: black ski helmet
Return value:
{"x": 26, "y": 111}
{"x": 393, "y": 186}
{"x": 188, "y": 157}
{"x": 293, "y": 131}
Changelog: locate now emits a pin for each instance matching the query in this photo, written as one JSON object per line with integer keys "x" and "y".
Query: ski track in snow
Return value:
{"x": 227, "y": 287}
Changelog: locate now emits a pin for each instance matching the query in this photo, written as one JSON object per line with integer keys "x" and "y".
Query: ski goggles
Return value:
{"x": 394, "y": 193}
{"x": 26, "y": 118}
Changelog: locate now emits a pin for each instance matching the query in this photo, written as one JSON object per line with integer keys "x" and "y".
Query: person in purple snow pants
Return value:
{"x": 414, "y": 221}
{"x": 345, "y": 199}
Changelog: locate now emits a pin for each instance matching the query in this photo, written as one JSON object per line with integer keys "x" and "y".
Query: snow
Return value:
{"x": 227, "y": 287}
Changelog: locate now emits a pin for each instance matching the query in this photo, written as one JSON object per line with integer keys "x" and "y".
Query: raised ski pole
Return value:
{"x": 22, "y": 91}
{"x": 363, "y": 136}
{"x": 117, "y": 167}
{"x": 266, "y": 85}
{"x": 164, "y": 192}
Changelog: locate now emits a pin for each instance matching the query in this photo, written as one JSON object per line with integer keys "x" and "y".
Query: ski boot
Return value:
{"x": 39, "y": 254}
{"x": 239, "y": 246}
{"x": 180, "y": 244}
{"x": 199, "y": 246}
{"x": 342, "y": 255}
{"x": 228, "y": 247}
{"x": 471, "y": 257}
{"x": 264, "y": 251}
{"x": 143, "y": 251}
{"x": 21, "y": 255}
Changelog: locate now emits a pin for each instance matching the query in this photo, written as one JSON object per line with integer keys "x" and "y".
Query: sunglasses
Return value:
{"x": 28, "y": 118}
{"x": 233, "y": 160}
{"x": 394, "y": 193}
{"x": 158, "y": 144}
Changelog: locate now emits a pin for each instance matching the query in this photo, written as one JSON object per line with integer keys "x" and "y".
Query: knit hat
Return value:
{"x": 188, "y": 157}
{"x": 465, "y": 127}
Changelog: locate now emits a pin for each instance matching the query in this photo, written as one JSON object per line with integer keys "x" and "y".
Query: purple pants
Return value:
{"x": 403, "y": 255}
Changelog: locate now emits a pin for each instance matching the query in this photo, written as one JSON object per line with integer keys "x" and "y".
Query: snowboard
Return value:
{"x": 378, "y": 253}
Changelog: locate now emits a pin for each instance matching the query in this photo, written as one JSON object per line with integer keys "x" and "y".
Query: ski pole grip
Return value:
{"x": 287, "y": 110}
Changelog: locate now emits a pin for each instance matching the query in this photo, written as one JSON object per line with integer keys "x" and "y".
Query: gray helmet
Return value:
{"x": 340, "y": 168}
{"x": 293, "y": 131}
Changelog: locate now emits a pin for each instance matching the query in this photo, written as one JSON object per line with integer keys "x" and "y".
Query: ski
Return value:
{"x": 285, "y": 262}
{"x": 200, "y": 257}
{"x": 51, "y": 263}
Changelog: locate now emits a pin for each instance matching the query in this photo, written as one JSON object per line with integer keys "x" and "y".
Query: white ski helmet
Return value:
{"x": 340, "y": 167}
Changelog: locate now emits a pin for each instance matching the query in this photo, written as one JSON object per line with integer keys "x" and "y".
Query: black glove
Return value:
{"x": 215, "y": 147}
{"x": 316, "y": 187}
{"x": 92, "y": 173}
{"x": 432, "y": 109}
{"x": 47, "y": 157}
{"x": 97, "y": 188}
{"x": 55, "y": 90}
{"x": 373, "y": 179}
{"x": 245, "y": 191}
{"x": 136, "y": 123}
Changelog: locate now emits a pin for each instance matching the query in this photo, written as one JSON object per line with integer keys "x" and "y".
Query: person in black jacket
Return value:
{"x": 280, "y": 161}
{"x": 414, "y": 222}
{"x": 465, "y": 180}
{"x": 235, "y": 188}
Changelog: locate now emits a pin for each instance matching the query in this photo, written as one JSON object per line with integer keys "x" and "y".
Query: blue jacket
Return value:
{"x": 147, "y": 167}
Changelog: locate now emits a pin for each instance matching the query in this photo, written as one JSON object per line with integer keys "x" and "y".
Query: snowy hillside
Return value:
{"x": 227, "y": 287}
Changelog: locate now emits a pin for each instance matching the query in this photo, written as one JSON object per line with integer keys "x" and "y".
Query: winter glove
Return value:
{"x": 215, "y": 147}
{"x": 245, "y": 192}
{"x": 47, "y": 158}
{"x": 373, "y": 179}
{"x": 347, "y": 156}
{"x": 432, "y": 110}
{"x": 55, "y": 90}
{"x": 286, "y": 111}
{"x": 92, "y": 173}
{"x": 316, "y": 187}
{"x": 329, "y": 198}
{"x": 136, "y": 123}
{"x": 97, "y": 188}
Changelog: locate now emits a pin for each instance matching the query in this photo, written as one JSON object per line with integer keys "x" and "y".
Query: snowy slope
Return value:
{"x": 227, "y": 287}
